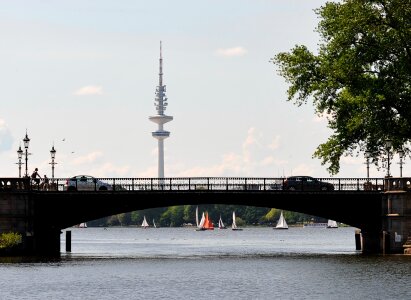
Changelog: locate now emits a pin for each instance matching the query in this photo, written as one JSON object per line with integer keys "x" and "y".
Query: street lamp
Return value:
{"x": 26, "y": 142}
{"x": 20, "y": 156}
{"x": 367, "y": 155}
{"x": 388, "y": 145}
{"x": 53, "y": 156}
{"x": 401, "y": 154}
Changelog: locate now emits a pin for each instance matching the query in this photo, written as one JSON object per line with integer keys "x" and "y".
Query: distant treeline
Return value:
{"x": 175, "y": 216}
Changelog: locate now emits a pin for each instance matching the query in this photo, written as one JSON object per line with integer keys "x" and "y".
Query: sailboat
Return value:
{"x": 200, "y": 225}
{"x": 281, "y": 224}
{"x": 208, "y": 224}
{"x": 145, "y": 224}
{"x": 154, "y": 224}
{"x": 221, "y": 224}
{"x": 205, "y": 223}
{"x": 332, "y": 224}
{"x": 234, "y": 225}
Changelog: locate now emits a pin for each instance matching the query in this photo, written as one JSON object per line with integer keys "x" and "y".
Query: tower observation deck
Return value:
{"x": 160, "y": 118}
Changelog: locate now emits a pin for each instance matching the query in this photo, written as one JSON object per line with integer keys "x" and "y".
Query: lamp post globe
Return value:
{"x": 26, "y": 141}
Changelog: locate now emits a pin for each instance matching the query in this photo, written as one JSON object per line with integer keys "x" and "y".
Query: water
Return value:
{"x": 180, "y": 263}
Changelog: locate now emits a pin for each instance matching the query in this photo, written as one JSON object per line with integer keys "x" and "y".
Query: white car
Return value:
{"x": 86, "y": 183}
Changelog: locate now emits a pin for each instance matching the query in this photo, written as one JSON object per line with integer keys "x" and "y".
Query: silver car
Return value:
{"x": 86, "y": 183}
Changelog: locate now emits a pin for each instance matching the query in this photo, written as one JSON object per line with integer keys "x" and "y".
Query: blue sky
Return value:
{"x": 86, "y": 72}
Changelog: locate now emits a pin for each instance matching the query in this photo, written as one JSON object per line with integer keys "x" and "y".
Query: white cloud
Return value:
{"x": 87, "y": 159}
{"x": 89, "y": 90}
{"x": 275, "y": 144}
{"x": 303, "y": 169}
{"x": 111, "y": 170}
{"x": 231, "y": 52}
{"x": 251, "y": 159}
{"x": 6, "y": 139}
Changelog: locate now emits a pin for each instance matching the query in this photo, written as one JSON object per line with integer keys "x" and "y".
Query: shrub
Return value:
{"x": 9, "y": 240}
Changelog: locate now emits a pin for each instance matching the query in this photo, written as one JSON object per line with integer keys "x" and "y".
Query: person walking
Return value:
{"x": 45, "y": 184}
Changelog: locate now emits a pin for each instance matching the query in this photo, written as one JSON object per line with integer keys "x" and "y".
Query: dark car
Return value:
{"x": 306, "y": 183}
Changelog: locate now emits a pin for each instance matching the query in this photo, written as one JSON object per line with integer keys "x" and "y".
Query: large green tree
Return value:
{"x": 360, "y": 77}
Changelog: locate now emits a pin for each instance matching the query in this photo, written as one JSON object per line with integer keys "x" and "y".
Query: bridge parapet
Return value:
{"x": 12, "y": 184}
{"x": 397, "y": 184}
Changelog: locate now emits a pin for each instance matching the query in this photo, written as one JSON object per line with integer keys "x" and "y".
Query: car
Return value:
{"x": 306, "y": 183}
{"x": 86, "y": 183}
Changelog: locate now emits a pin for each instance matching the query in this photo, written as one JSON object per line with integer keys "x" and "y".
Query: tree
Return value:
{"x": 360, "y": 78}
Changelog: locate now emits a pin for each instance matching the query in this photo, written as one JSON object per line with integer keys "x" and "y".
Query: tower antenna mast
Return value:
{"x": 160, "y": 118}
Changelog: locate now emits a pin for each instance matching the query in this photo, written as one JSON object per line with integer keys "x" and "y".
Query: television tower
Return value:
{"x": 160, "y": 119}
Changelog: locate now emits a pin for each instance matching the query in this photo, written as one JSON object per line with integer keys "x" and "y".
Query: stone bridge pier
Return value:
{"x": 395, "y": 236}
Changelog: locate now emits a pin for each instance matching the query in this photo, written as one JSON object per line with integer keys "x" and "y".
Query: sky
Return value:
{"x": 81, "y": 75}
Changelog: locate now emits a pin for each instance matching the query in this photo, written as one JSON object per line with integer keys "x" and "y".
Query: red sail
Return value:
{"x": 208, "y": 224}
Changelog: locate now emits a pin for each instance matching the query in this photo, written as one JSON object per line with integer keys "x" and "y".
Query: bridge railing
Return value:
{"x": 199, "y": 184}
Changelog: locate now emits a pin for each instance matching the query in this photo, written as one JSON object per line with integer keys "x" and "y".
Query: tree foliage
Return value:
{"x": 360, "y": 78}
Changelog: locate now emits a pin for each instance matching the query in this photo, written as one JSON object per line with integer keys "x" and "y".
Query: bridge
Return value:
{"x": 40, "y": 211}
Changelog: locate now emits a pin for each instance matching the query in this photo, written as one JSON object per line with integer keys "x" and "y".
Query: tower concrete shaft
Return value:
{"x": 160, "y": 118}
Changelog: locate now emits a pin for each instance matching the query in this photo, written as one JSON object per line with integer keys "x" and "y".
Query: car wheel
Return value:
{"x": 71, "y": 189}
{"x": 102, "y": 188}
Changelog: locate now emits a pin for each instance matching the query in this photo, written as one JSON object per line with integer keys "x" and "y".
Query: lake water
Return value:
{"x": 180, "y": 263}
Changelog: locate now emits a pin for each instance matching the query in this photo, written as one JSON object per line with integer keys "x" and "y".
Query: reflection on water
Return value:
{"x": 257, "y": 263}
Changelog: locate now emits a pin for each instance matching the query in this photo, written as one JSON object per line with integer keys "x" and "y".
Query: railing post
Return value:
{"x": 358, "y": 184}
{"x": 189, "y": 184}
{"x": 339, "y": 184}
{"x": 226, "y": 184}
{"x": 170, "y": 185}
{"x": 114, "y": 184}
{"x": 208, "y": 183}
{"x": 132, "y": 184}
{"x": 151, "y": 183}
{"x": 245, "y": 184}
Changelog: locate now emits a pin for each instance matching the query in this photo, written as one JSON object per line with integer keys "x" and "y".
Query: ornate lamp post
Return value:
{"x": 401, "y": 154}
{"x": 388, "y": 145}
{"x": 26, "y": 142}
{"x": 20, "y": 156}
{"x": 53, "y": 156}
{"x": 367, "y": 155}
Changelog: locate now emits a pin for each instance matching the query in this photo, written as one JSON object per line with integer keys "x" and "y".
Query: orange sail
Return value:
{"x": 208, "y": 224}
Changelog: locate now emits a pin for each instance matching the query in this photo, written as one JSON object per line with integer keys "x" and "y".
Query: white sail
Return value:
{"x": 281, "y": 224}
{"x": 202, "y": 221}
{"x": 197, "y": 216}
{"x": 332, "y": 224}
{"x": 145, "y": 224}
{"x": 154, "y": 224}
{"x": 220, "y": 223}
{"x": 234, "y": 225}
